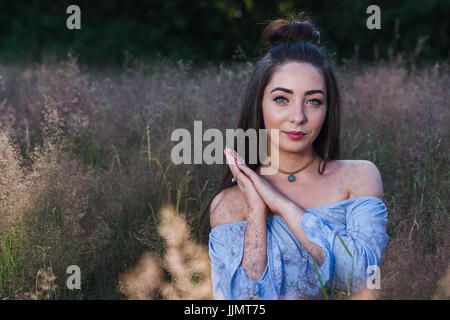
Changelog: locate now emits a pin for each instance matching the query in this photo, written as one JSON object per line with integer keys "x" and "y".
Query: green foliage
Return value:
{"x": 213, "y": 31}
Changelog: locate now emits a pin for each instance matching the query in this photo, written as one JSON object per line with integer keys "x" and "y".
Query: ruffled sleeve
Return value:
{"x": 320, "y": 233}
{"x": 351, "y": 250}
{"x": 229, "y": 280}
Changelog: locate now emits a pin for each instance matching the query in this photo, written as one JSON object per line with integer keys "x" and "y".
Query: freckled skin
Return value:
{"x": 286, "y": 112}
{"x": 333, "y": 186}
{"x": 310, "y": 189}
{"x": 295, "y": 111}
{"x": 254, "y": 249}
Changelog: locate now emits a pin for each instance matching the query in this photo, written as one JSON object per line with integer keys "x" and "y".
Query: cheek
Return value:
{"x": 317, "y": 121}
{"x": 272, "y": 118}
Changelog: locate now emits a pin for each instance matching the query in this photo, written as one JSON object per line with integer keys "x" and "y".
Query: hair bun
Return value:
{"x": 282, "y": 30}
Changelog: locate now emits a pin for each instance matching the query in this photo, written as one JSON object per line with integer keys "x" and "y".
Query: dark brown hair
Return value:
{"x": 289, "y": 41}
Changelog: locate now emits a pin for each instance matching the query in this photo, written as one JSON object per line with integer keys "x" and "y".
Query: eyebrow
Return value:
{"x": 307, "y": 93}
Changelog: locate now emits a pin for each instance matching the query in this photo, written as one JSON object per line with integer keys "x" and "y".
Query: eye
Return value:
{"x": 279, "y": 97}
{"x": 317, "y": 102}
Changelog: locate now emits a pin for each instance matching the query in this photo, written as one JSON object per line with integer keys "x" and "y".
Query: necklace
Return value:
{"x": 291, "y": 177}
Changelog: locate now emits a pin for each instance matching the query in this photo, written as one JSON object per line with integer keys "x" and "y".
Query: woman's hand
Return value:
{"x": 256, "y": 205}
{"x": 273, "y": 198}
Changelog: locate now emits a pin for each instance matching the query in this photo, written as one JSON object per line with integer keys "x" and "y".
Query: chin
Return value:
{"x": 293, "y": 147}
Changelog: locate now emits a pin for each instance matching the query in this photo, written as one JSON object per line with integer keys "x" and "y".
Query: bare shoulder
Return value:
{"x": 364, "y": 179}
{"x": 227, "y": 206}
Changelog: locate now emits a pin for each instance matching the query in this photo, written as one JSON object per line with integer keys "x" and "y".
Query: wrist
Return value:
{"x": 291, "y": 208}
{"x": 257, "y": 216}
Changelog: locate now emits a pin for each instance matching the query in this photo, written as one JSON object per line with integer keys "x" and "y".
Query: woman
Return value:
{"x": 318, "y": 221}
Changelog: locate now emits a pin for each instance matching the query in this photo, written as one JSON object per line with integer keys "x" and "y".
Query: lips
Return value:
{"x": 295, "y": 135}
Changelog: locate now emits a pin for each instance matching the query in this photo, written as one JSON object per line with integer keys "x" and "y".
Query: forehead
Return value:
{"x": 297, "y": 76}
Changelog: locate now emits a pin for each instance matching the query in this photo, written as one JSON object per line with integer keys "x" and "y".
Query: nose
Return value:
{"x": 297, "y": 115}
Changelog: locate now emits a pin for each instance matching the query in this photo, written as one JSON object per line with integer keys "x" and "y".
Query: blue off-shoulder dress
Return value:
{"x": 352, "y": 234}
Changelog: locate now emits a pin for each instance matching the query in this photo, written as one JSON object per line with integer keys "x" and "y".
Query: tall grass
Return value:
{"x": 85, "y": 174}
{"x": 185, "y": 261}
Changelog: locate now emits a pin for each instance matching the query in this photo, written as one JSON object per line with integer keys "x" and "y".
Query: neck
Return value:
{"x": 293, "y": 161}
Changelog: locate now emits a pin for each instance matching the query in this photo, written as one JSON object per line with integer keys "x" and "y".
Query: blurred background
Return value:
{"x": 86, "y": 117}
{"x": 214, "y": 31}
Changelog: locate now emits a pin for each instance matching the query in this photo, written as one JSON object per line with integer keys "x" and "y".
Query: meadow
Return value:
{"x": 86, "y": 177}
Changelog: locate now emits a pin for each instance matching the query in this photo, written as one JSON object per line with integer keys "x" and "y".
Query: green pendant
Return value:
{"x": 291, "y": 178}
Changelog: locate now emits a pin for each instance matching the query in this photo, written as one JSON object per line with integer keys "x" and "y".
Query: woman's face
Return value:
{"x": 295, "y": 100}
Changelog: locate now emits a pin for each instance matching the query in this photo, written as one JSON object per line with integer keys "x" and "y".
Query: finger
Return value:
{"x": 231, "y": 162}
{"x": 241, "y": 163}
{"x": 258, "y": 182}
{"x": 249, "y": 172}
{"x": 241, "y": 178}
